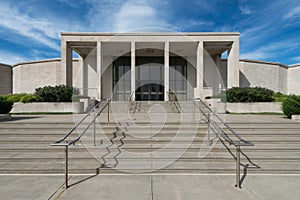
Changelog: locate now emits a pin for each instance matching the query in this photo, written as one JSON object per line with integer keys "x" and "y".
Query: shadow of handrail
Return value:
{"x": 245, "y": 166}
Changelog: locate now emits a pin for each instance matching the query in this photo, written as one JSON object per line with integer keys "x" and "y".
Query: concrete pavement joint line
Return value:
{"x": 57, "y": 192}
{"x": 148, "y": 174}
{"x": 152, "y": 193}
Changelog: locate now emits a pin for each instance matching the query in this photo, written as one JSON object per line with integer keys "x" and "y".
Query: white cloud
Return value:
{"x": 292, "y": 13}
{"x": 245, "y": 10}
{"x": 11, "y": 58}
{"x": 122, "y": 17}
{"x": 39, "y": 30}
{"x": 297, "y": 58}
{"x": 272, "y": 51}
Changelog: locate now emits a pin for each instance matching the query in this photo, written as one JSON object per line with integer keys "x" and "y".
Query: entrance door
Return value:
{"x": 149, "y": 79}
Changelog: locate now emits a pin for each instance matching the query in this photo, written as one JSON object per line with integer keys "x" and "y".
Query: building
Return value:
{"x": 5, "y": 79}
{"x": 153, "y": 66}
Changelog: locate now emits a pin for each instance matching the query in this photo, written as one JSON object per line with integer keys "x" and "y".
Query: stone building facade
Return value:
{"x": 153, "y": 66}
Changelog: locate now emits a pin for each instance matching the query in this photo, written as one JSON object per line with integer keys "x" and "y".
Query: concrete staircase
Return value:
{"x": 137, "y": 146}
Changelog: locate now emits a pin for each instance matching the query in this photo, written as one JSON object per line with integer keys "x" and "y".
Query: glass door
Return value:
{"x": 149, "y": 79}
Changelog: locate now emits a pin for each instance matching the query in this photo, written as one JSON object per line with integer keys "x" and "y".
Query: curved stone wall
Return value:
{"x": 28, "y": 76}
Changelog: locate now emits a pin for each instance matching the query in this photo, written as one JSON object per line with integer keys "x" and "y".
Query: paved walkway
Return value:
{"x": 151, "y": 187}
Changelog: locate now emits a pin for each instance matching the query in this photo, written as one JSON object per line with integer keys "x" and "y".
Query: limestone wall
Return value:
{"x": 294, "y": 80}
{"x": 264, "y": 74}
{"x": 5, "y": 79}
{"x": 30, "y": 75}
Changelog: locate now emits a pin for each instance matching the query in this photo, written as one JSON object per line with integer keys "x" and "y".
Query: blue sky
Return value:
{"x": 30, "y": 29}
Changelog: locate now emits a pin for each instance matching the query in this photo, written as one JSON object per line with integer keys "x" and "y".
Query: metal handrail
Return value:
{"x": 241, "y": 140}
{"x": 66, "y": 143}
{"x": 221, "y": 133}
{"x": 174, "y": 101}
{"x": 131, "y": 95}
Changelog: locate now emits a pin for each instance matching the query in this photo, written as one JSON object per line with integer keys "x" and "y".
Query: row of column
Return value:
{"x": 232, "y": 68}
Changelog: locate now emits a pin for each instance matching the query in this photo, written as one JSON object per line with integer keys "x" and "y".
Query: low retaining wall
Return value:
{"x": 48, "y": 107}
{"x": 257, "y": 107}
{"x": 296, "y": 117}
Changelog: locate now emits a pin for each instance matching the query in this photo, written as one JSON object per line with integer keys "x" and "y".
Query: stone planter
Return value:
{"x": 48, "y": 107}
{"x": 256, "y": 107}
{"x": 296, "y": 117}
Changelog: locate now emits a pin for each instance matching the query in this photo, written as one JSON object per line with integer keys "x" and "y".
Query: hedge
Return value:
{"x": 5, "y": 105}
{"x": 23, "y": 97}
{"x": 291, "y": 105}
{"x": 60, "y": 93}
{"x": 256, "y": 94}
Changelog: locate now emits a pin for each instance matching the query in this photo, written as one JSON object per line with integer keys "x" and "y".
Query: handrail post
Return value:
{"x": 208, "y": 129}
{"x": 94, "y": 126}
{"x": 108, "y": 110}
{"x": 66, "y": 165}
{"x": 238, "y": 162}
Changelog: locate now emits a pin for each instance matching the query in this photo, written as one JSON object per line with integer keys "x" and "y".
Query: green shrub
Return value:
{"x": 15, "y": 97}
{"x": 60, "y": 93}
{"x": 279, "y": 97}
{"x": 28, "y": 98}
{"x": 291, "y": 105}
{"x": 256, "y": 94}
{"x": 24, "y": 98}
{"x": 5, "y": 105}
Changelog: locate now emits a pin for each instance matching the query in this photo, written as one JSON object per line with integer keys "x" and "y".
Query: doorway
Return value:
{"x": 149, "y": 79}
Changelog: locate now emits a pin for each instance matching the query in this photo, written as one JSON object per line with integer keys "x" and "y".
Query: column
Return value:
{"x": 98, "y": 63}
{"x": 61, "y": 70}
{"x": 84, "y": 76}
{"x": 69, "y": 67}
{"x": 199, "y": 66}
{"x": 233, "y": 70}
{"x": 166, "y": 71}
{"x": 65, "y": 72}
{"x": 133, "y": 71}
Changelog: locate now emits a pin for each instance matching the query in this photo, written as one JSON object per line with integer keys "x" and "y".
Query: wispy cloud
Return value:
{"x": 33, "y": 28}
{"x": 11, "y": 58}
{"x": 271, "y": 51}
{"x": 245, "y": 10}
{"x": 297, "y": 58}
{"x": 292, "y": 13}
{"x": 125, "y": 16}
{"x": 133, "y": 16}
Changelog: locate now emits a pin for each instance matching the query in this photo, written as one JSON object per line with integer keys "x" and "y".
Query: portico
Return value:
{"x": 150, "y": 66}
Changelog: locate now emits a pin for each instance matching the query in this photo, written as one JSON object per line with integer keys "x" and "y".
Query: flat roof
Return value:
{"x": 265, "y": 62}
{"x": 42, "y": 61}
{"x": 4, "y": 65}
{"x": 151, "y": 33}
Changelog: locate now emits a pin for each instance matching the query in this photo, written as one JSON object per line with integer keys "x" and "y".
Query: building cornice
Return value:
{"x": 265, "y": 62}
{"x": 41, "y": 61}
{"x": 5, "y": 65}
{"x": 150, "y": 34}
{"x": 295, "y": 65}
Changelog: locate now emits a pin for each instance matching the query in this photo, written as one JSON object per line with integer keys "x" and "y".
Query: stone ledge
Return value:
{"x": 296, "y": 117}
{"x": 48, "y": 107}
{"x": 256, "y": 107}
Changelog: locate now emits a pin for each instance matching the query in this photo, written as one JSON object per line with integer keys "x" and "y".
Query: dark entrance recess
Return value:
{"x": 149, "y": 79}
{"x": 150, "y": 92}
